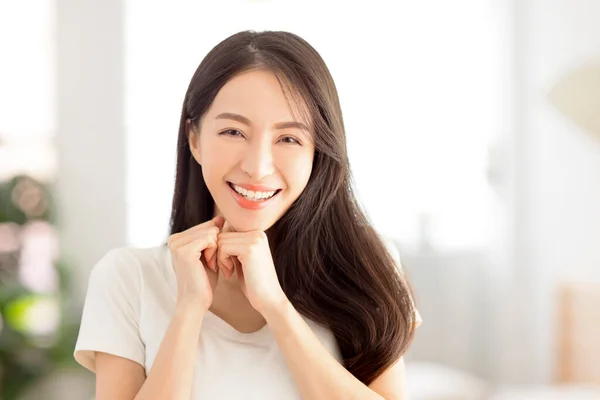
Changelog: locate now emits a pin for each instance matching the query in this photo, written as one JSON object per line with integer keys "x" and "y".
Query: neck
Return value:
{"x": 231, "y": 305}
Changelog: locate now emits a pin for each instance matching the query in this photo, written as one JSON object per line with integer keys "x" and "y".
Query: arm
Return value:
{"x": 317, "y": 373}
{"x": 109, "y": 341}
{"x": 171, "y": 375}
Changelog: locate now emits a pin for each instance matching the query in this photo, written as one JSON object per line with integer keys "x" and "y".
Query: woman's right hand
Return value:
{"x": 193, "y": 252}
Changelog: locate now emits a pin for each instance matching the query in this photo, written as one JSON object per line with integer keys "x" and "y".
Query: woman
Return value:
{"x": 273, "y": 284}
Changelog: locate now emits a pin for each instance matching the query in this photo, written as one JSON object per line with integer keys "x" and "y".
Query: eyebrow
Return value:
{"x": 246, "y": 121}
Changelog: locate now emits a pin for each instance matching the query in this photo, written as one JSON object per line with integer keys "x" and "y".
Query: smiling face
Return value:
{"x": 256, "y": 158}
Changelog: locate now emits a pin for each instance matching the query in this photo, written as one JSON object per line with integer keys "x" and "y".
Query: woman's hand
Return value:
{"x": 193, "y": 252}
{"x": 249, "y": 256}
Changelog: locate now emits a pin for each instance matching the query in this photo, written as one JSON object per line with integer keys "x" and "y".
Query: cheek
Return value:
{"x": 298, "y": 171}
{"x": 215, "y": 160}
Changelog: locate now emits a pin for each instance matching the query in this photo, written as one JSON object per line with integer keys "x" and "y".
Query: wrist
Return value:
{"x": 276, "y": 309}
{"x": 190, "y": 305}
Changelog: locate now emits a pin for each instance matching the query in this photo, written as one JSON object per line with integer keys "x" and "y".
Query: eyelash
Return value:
{"x": 226, "y": 133}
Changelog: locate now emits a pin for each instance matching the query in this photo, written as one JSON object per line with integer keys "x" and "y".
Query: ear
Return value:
{"x": 193, "y": 140}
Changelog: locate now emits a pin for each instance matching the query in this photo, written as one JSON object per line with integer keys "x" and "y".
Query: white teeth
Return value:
{"x": 251, "y": 195}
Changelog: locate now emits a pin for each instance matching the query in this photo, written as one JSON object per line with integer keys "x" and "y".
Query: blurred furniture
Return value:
{"x": 577, "y": 96}
{"x": 578, "y": 345}
{"x": 454, "y": 296}
{"x": 544, "y": 393}
{"x": 449, "y": 358}
{"x": 579, "y": 333}
{"x": 433, "y": 381}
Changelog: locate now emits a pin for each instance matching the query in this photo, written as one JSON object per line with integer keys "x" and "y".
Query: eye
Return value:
{"x": 232, "y": 132}
{"x": 291, "y": 140}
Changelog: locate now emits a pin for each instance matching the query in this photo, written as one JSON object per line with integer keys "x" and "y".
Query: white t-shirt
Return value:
{"x": 130, "y": 299}
{"x": 129, "y": 303}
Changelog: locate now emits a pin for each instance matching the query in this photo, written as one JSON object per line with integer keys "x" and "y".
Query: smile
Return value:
{"x": 253, "y": 200}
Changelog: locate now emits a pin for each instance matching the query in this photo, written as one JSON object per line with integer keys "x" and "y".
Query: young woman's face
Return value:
{"x": 256, "y": 159}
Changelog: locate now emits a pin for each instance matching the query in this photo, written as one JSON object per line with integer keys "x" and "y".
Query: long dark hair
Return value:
{"x": 331, "y": 263}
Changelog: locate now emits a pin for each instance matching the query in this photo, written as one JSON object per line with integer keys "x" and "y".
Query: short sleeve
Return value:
{"x": 393, "y": 250}
{"x": 111, "y": 312}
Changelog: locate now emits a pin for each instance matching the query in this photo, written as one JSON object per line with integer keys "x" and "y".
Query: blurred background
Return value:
{"x": 474, "y": 134}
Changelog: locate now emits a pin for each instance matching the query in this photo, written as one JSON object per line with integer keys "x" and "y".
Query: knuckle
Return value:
{"x": 259, "y": 237}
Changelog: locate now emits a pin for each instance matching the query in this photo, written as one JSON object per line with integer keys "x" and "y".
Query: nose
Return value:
{"x": 257, "y": 161}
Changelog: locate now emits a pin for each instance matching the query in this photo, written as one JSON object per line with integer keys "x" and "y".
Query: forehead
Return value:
{"x": 259, "y": 96}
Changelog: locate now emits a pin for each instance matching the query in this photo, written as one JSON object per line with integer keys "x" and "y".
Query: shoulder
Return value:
{"x": 129, "y": 266}
{"x": 112, "y": 313}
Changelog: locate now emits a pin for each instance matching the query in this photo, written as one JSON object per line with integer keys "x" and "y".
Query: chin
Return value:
{"x": 242, "y": 223}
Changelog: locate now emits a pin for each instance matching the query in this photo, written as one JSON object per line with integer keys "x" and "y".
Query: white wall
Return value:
{"x": 440, "y": 73}
{"x": 90, "y": 131}
{"x": 553, "y": 194}
{"x": 560, "y": 176}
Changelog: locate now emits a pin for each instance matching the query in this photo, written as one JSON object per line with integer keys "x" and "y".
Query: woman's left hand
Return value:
{"x": 249, "y": 256}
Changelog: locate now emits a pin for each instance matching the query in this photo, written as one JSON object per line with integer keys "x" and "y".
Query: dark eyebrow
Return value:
{"x": 291, "y": 124}
{"x": 235, "y": 117}
{"x": 246, "y": 121}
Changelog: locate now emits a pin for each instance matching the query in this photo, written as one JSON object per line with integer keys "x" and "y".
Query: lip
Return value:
{"x": 249, "y": 204}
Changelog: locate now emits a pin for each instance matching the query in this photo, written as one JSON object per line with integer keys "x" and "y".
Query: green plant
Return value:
{"x": 38, "y": 326}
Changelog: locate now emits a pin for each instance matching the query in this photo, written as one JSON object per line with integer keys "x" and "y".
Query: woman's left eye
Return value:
{"x": 290, "y": 140}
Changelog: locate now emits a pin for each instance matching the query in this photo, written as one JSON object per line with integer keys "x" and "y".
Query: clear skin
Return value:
{"x": 225, "y": 264}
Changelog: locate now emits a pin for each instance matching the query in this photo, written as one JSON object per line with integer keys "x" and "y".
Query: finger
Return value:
{"x": 230, "y": 235}
{"x": 211, "y": 226}
{"x": 194, "y": 248}
{"x": 189, "y": 236}
{"x": 235, "y": 238}
{"x": 224, "y": 269}
{"x": 212, "y": 262}
{"x": 218, "y": 221}
{"x": 227, "y": 271}
{"x": 214, "y": 272}
{"x": 210, "y": 251}
{"x": 209, "y": 254}
{"x": 225, "y": 263}
{"x": 226, "y": 266}
{"x": 209, "y": 258}
{"x": 232, "y": 250}
{"x": 251, "y": 235}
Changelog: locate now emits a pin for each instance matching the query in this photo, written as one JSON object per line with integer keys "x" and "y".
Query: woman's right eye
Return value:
{"x": 231, "y": 132}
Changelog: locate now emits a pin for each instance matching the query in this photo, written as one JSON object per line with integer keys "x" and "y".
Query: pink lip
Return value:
{"x": 249, "y": 204}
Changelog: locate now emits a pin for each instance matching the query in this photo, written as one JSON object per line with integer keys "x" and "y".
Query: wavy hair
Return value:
{"x": 333, "y": 266}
